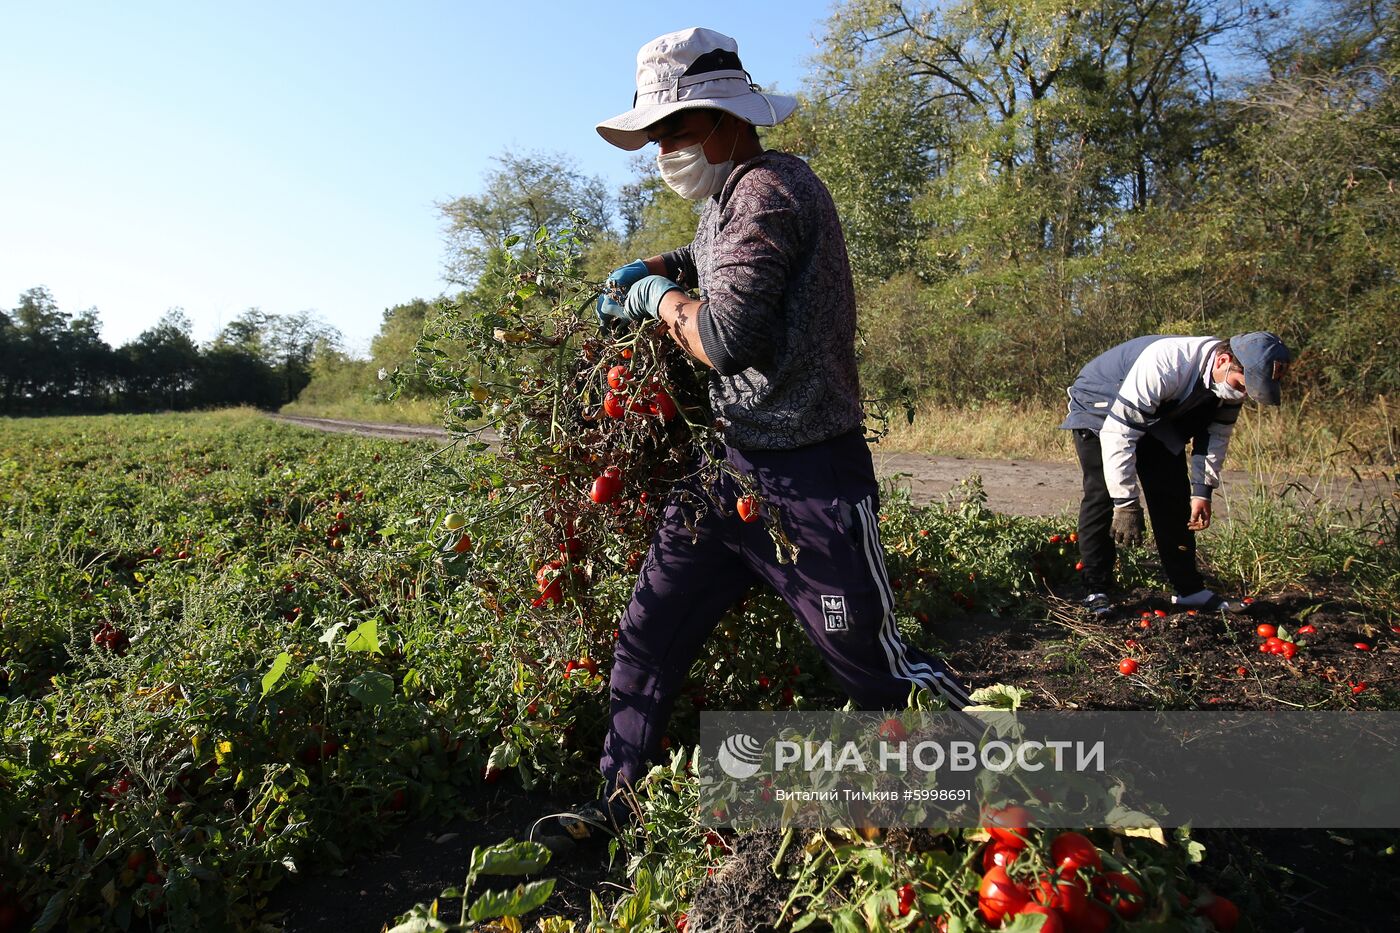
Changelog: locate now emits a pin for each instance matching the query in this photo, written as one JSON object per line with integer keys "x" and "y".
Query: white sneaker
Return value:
{"x": 1208, "y": 601}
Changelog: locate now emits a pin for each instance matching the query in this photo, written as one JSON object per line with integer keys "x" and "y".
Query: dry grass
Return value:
{"x": 399, "y": 411}
{"x": 1300, "y": 437}
{"x": 1296, "y": 437}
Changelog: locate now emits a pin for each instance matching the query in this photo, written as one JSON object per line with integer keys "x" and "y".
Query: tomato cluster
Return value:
{"x": 1277, "y": 641}
{"x": 111, "y": 638}
{"x": 1070, "y": 885}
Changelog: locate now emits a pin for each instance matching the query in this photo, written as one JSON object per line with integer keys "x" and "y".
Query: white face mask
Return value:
{"x": 1226, "y": 392}
{"x": 690, "y": 174}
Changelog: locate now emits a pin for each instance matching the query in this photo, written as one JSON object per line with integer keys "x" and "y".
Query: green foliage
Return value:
{"x": 1082, "y": 189}
{"x": 57, "y": 362}
{"x": 1276, "y": 540}
{"x": 873, "y": 141}
{"x": 303, "y": 652}
{"x": 525, "y": 193}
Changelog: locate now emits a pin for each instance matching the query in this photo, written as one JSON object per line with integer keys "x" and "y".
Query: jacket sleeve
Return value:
{"x": 680, "y": 267}
{"x": 1208, "y": 451}
{"x": 1157, "y": 375}
{"x": 755, "y": 252}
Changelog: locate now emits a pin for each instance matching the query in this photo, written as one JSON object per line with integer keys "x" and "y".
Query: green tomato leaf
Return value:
{"x": 514, "y": 903}
{"x": 364, "y": 638}
{"x": 503, "y": 756}
{"x": 509, "y": 858}
{"x": 274, "y": 674}
{"x": 1000, "y": 696}
{"x": 372, "y": 688}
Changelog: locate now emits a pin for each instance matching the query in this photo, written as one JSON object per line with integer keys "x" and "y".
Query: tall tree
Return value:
{"x": 523, "y": 194}
{"x": 162, "y": 364}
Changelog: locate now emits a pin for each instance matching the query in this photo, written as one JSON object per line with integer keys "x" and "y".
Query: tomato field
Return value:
{"x": 235, "y": 655}
{"x": 233, "y": 649}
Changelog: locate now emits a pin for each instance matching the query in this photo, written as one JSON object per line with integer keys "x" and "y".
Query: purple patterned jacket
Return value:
{"x": 779, "y": 318}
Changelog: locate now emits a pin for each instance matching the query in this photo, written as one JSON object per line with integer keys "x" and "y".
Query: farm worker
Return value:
{"x": 1132, "y": 409}
{"x": 775, "y": 325}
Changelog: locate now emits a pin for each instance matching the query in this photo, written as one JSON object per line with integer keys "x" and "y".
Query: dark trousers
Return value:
{"x": 1166, "y": 485}
{"x": 827, "y": 497}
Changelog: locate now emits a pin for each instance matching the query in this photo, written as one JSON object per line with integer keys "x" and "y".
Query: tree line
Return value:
{"x": 1024, "y": 183}
{"x": 53, "y": 361}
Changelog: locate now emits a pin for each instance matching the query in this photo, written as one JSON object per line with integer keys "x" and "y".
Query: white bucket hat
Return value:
{"x": 692, "y": 68}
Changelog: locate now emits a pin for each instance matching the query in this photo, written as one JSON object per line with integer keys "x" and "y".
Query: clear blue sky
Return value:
{"x": 289, "y": 156}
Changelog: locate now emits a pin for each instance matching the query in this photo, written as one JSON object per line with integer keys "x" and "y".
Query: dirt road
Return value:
{"x": 1015, "y": 487}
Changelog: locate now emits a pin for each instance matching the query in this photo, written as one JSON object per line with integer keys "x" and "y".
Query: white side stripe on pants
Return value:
{"x": 890, "y": 638}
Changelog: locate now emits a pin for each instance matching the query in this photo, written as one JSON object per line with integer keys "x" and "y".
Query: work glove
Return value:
{"x": 610, "y": 308}
{"x": 644, "y": 297}
{"x": 1127, "y": 524}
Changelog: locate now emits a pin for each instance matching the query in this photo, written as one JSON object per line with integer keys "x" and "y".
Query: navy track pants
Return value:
{"x": 828, "y": 499}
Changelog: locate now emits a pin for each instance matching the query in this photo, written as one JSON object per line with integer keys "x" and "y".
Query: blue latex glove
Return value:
{"x": 610, "y": 310}
{"x": 644, "y": 297}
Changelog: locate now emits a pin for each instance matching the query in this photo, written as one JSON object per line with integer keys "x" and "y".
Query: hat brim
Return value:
{"x": 628, "y": 130}
{"x": 1261, "y": 388}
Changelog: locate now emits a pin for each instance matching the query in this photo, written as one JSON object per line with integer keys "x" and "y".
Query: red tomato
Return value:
{"x": 1308, "y": 629}
{"x": 1079, "y": 565}
{"x": 613, "y": 406}
{"x": 1121, "y": 892}
{"x": 1288, "y": 649}
{"x": 906, "y": 899}
{"x": 664, "y": 406}
{"x": 1127, "y": 666}
{"x": 547, "y": 574}
{"x": 551, "y": 592}
{"x": 1265, "y": 630}
{"x": 1072, "y": 851}
{"x": 892, "y": 730}
{"x": 998, "y": 896}
{"x": 1221, "y": 912}
{"x": 1008, "y": 826}
{"x": 1054, "y": 919}
{"x": 607, "y": 486}
{"x": 1069, "y": 896}
{"x": 1361, "y": 646}
{"x": 619, "y": 376}
{"x": 995, "y": 854}
{"x": 748, "y": 508}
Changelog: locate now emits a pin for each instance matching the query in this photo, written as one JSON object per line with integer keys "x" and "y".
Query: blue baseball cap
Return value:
{"x": 1265, "y": 360}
